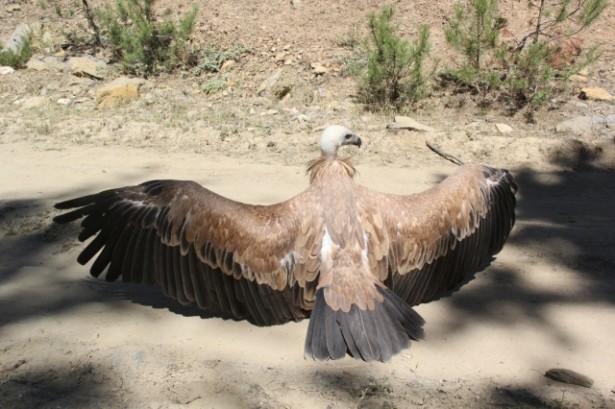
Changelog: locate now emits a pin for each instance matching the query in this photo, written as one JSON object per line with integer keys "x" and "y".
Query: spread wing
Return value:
{"x": 423, "y": 245}
{"x": 254, "y": 262}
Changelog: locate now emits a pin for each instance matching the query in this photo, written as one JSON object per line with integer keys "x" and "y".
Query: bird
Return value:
{"x": 352, "y": 260}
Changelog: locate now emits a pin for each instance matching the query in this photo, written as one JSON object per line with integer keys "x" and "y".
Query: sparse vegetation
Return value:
{"x": 214, "y": 85}
{"x": 395, "y": 74}
{"x": 19, "y": 58}
{"x": 140, "y": 42}
{"x": 523, "y": 73}
{"x": 211, "y": 59}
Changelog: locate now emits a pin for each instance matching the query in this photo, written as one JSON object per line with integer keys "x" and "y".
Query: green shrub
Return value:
{"x": 16, "y": 59}
{"x": 474, "y": 30}
{"x": 394, "y": 75}
{"x": 523, "y": 74}
{"x": 140, "y": 43}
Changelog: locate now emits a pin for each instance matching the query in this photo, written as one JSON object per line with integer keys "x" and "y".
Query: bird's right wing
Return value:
{"x": 254, "y": 262}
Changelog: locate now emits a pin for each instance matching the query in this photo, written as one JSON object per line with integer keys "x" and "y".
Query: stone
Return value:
{"x": 33, "y": 102}
{"x": 118, "y": 92}
{"x": 270, "y": 112}
{"x": 578, "y": 125}
{"x": 87, "y": 67}
{"x": 605, "y": 120}
{"x": 302, "y": 118}
{"x": 36, "y": 64}
{"x": 4, "y": 70}
{"x": 578, "y": 78}
{"x": 227, "y": 65}
{"x": 44, "y": 63}
{"x": 319, "y": 69}
{"x": 16, "y": 41}
{"x": 503, "y": 128}
{"x": 404, "y": 122}
{"x": 569, "y": 376}
{"x": 584, "y": 72}
{"x": 596, "y": 93}
{"x": 64, "y": 101}
{"x": 269, "y": 82}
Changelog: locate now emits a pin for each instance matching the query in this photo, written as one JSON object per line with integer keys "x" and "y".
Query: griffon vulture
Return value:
{"x": 351, "y": 259}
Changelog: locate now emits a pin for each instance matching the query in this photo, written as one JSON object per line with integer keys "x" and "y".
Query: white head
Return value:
{"x": 335, "y": 136}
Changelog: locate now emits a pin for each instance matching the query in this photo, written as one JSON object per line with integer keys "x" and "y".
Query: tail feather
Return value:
{"x": 368, "y": 335}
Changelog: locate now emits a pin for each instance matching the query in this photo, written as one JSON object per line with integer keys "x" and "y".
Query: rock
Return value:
{"x": 44, "y": 63}
{"x": 605, "y": 120}
{"x": 16, "y": 41}
{"x": 33, "y": 102}
{"x": 503, "y": 128}
{"x": 597, "y": 94}
{"x": 578, "y": 78}
{"x": 36, "y": 64}
{"x": 569, "y": 376}
{"x": 302, "y": 118}
{"x": 6, "y": 70}
{"x": 119, "y": 91}
{"x": 270, "y": 81}
{"x": 404, "y": 122}
{"x": 270, "y": 112}
{"x": 227, "y": 65}
{"x": 319, "y": 69}
{"x": 64, "y": 101}
{"x": 578, "y": 125}
{"x": 584, "y": 72}
{"x": 87, "y": 66}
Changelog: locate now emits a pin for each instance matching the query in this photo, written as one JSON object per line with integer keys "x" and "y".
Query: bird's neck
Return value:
{"x": 326, "y": 167}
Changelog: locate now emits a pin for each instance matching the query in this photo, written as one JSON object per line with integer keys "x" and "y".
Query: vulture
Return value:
{"x": 352, "y": 260}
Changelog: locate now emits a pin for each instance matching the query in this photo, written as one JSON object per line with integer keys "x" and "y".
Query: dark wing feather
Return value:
{"x": 423, "y": 245}
{"x": 254, "y": 262}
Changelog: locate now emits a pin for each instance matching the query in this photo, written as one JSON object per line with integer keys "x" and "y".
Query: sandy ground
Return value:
{"x": 70, "y": 341}
{"x": 67, "y": 340}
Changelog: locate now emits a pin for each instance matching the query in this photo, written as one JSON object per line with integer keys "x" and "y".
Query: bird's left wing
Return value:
{"x": 254, "y": 262}
{"x": 424, "y": 244}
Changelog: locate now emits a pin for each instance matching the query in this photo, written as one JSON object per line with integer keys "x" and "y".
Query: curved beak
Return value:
{"x": 352, "y": 139}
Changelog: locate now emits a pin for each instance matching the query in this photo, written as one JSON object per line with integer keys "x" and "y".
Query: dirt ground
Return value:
{"x": 70, "y": 341}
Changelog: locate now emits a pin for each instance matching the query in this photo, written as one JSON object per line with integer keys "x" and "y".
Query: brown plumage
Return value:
{"x": 352, "y": 259}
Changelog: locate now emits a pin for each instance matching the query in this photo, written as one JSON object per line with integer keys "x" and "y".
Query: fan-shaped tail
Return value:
{"x": 368, "y": 335}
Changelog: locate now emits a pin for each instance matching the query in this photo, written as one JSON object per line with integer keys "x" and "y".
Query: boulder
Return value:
{"x": 118, "y": 92}
{"x": 597, "y": 94}
{"x": 87, "y": 67}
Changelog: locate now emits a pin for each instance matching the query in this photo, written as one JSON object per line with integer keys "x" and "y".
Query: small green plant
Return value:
{"x": 214, "y": 85}
{"x": 141, "y": 43}
{"x": 394, "y": 75}
{"x": 211, "y": 59}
